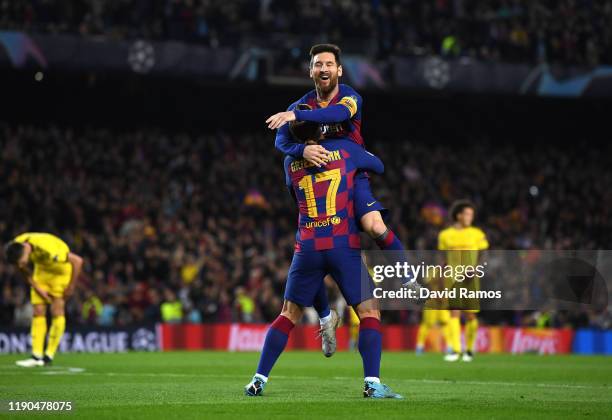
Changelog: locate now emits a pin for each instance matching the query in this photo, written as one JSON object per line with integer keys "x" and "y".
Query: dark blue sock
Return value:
{"x": 321, "y": 304}
{"x": 370, "y": 346}
{"x": 276, "y": 340}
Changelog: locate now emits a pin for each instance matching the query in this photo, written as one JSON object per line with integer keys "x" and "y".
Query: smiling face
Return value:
{"x": 325, "y": 71}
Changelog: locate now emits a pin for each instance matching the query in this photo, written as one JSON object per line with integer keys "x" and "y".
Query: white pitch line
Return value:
{"x": 340, "y": 378}
{"x": 63, "y": 371}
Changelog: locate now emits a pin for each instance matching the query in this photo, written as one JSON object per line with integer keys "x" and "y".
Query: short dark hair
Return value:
{"x": 13, "y": 252}
{"x": 321, "y": 48}
{"x": 458, "y": 206}
{"x": 305, "y": 131}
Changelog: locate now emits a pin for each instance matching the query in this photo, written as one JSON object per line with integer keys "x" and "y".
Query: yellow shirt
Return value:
{"x": 47, "y": 250}
{"x": 455, "y": 240}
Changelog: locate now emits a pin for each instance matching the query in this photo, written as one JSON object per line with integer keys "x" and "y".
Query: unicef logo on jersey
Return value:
{"x": 144, "y": 340}
{"x": 334, "y": 220}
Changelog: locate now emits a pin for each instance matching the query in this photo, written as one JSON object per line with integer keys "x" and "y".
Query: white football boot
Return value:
{"x": 328, "y": 334}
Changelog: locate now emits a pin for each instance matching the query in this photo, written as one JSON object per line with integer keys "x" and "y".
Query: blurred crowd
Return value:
{"x": 200, "y": 228}
{"x": 575, "y": 32}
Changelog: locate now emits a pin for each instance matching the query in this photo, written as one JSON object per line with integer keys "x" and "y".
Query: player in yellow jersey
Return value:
{"x": 52, "y": 281}
{"x": 462, "y": 243}
{"x": 434, "y": 314}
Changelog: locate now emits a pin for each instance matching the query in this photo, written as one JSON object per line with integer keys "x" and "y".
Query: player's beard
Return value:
{"x": 325, "y": 89}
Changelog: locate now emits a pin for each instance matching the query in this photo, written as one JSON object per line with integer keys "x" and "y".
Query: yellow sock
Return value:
{"x": 471, "y": 329}
{"x": 454, "y": 326}
{"x": 422, "y": 334}
{"x": 38, "y": 331}
{"x": 446, "y": 335}
{"x": 58, "y": 325}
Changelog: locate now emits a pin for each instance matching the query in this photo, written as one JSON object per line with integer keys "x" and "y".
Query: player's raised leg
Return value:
{"x": 370, "y": 213}
{"x": 329, "y": 321}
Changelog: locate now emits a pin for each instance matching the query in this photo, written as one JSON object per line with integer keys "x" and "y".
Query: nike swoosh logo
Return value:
{"x": 370, "y": 204}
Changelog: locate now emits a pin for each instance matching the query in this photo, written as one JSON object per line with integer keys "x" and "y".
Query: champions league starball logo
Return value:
{"x": 141, "y": 57}
{"x": 144, "y": 340}
{"x": 436, "y": 72}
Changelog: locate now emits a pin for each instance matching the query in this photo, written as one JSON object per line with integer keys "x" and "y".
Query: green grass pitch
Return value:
{"x": 306, "y": 385}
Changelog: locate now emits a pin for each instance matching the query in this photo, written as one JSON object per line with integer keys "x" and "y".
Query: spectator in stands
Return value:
{"x": 171, "y": 308}
{"x": 140, "y": 206}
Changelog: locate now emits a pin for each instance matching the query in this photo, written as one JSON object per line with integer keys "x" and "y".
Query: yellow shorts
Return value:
{"x": 433, "y": 317}
{"x": 53, "y": 280}
{"x": 464, "y": 304}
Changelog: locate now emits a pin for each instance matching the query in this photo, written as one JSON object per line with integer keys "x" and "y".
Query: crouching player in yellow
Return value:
{"x": 52, "y": 281}
{"x": 462, "y": 243}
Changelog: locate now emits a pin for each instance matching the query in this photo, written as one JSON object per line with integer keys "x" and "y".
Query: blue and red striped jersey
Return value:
{"x": 325, "y": 195}
{"x": 350, "y": 128}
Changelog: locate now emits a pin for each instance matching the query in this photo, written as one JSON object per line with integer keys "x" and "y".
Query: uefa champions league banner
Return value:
{"x": 250, "y": 337}
{"x": 473, "y": 76}
{"x": 83, "y": 339}
{"x": 69, "y": 52}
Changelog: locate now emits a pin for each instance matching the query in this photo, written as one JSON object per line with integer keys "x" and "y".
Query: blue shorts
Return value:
{"x": 309, "y": 268}
{"x": 364, "y": 201}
